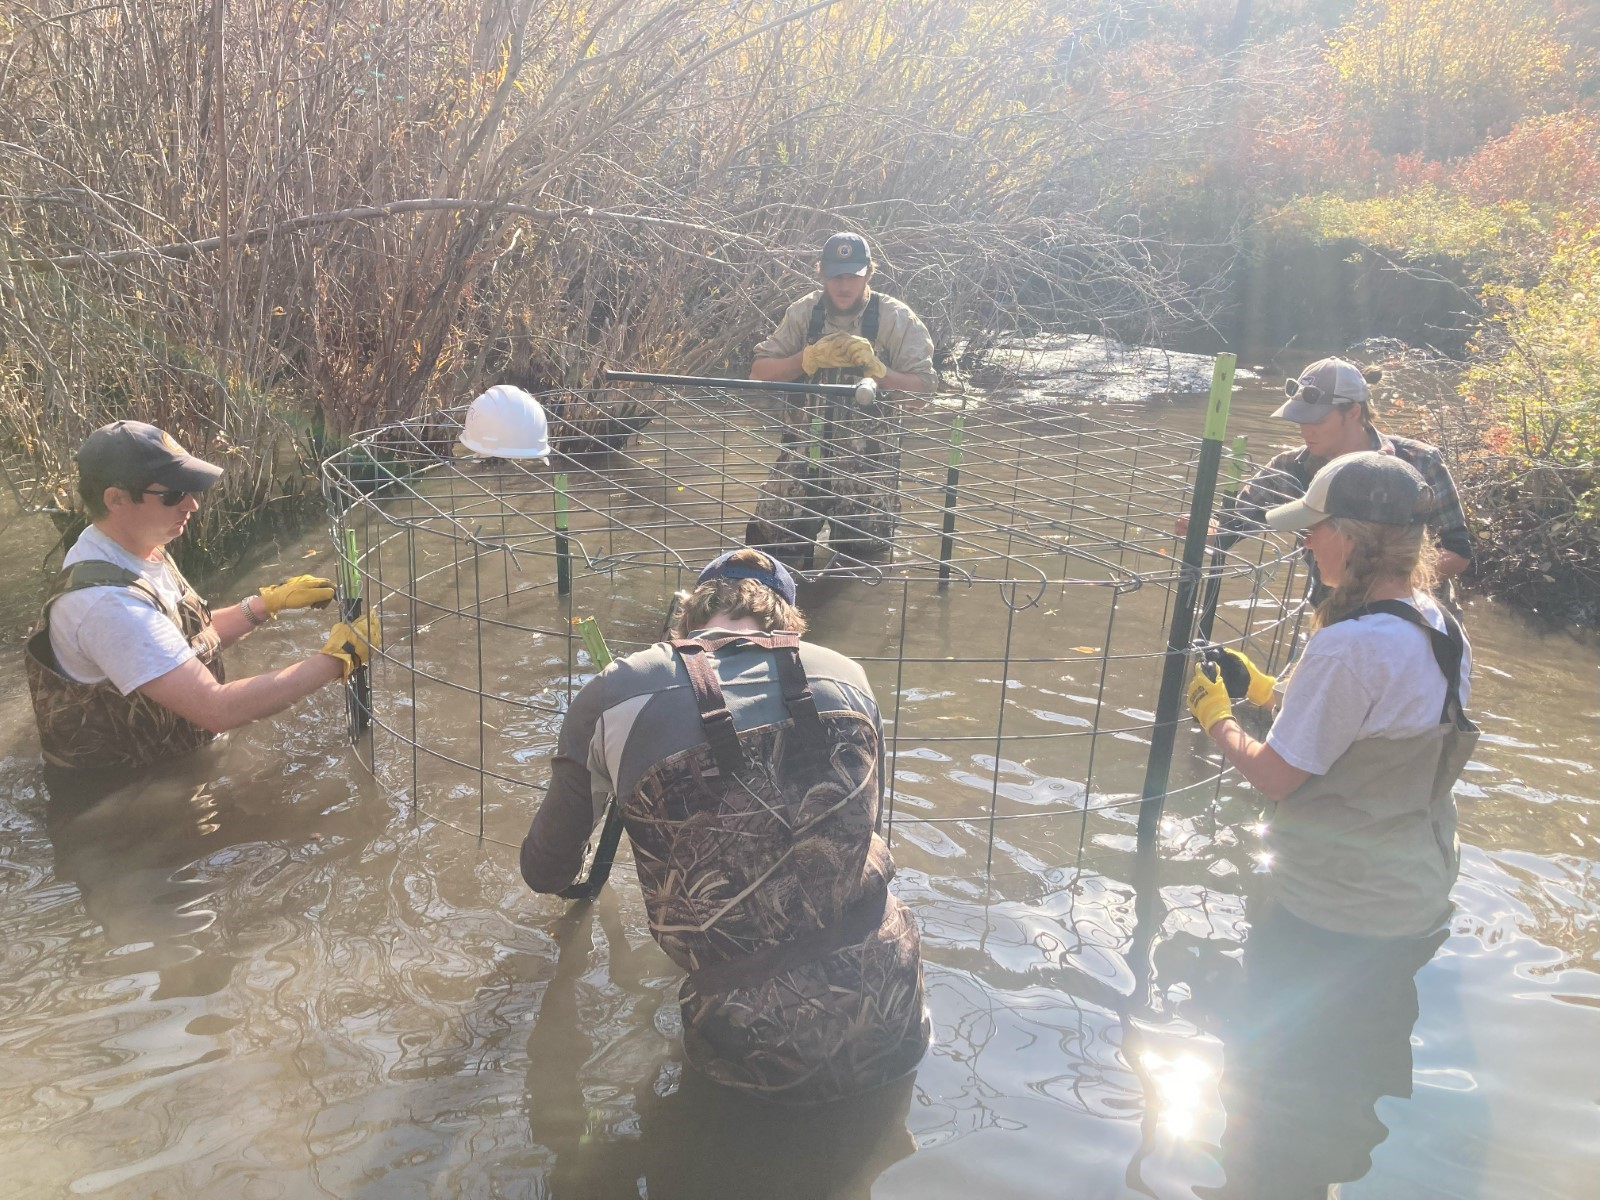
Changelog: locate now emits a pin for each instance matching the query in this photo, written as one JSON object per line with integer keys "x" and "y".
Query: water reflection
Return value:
{"x": 682, "y": 1137}
{"x": 132, "y": 846}
{"x": 1318, "y": 1033}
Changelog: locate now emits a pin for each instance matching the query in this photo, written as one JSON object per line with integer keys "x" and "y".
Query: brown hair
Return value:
{"x": 1378, "y": 552}
{"x": 735, "y": 598}
{"x": 1371, "y": 375}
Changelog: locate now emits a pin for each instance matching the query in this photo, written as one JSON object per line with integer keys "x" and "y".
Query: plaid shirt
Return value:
{"x": 1289, "y": 474}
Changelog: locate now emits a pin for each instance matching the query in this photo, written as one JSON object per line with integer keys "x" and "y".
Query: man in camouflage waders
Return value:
{"x": 748, "y": 766}
{"x": 838, "y": 463}
{"x": 125, "y": 664}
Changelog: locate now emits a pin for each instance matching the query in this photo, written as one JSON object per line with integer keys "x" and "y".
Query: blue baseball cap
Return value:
{"x": 778, "y": 578}
{"x": 845, "y": 254}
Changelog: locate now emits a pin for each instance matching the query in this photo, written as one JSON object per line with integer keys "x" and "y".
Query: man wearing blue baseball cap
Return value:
{"x": 748, "y": 767}
{"x": 842, "y": 476}
{"x": 125, "y": 663}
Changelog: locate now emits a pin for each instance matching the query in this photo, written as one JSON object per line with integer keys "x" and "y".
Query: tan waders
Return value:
{"x": 1370, "y": 847}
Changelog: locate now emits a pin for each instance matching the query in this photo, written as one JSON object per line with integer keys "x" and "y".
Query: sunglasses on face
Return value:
{"x": 169, "y": 498}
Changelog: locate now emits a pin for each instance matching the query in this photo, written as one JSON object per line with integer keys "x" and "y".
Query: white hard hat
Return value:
{"x": 506, "y": 422}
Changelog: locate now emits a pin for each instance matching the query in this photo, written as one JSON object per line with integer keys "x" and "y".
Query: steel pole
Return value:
{"x": 1169, "y": 701}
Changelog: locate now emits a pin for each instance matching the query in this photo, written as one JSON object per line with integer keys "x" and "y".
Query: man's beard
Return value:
{"x": 855, "y": 309}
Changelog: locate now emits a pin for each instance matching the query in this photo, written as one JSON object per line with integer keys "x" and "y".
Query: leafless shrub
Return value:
{"x": 362, "y": 208}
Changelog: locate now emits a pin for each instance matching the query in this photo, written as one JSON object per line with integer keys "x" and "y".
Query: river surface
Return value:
{"x": 258, "y": 974}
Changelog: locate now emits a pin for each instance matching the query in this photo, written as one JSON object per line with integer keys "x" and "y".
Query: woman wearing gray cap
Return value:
{"x": 1360, "y": 835}
{"x": 748, "y": 766}
{"x": 1371, "y": 733}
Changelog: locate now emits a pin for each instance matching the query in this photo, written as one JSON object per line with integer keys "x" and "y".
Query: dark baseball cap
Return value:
{"x": 130, "y": 452}
{"x": 722, "y": 567}
{"x": 1368, "y": 486}
{"x": 845, "y": 254}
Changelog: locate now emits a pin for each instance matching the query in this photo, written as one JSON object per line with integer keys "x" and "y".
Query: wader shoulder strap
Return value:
{"x": 715, "y": 718}
{"x": 869, "y": 320}
{"x": 95, "y": 572}
{"x": 819, "y": 316}
{"x": 717, "y": 721}
{"x": 1448, "y": 650}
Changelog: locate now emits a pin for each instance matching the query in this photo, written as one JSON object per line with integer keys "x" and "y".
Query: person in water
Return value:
{"x": 838, "y": 458}
{"x": 748, "y": 766}
{"x": 125, "y": 662}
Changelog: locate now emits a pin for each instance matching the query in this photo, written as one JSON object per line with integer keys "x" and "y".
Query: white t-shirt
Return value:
{"x": 1373, "y": 677}
{"x": 113, "y": 633}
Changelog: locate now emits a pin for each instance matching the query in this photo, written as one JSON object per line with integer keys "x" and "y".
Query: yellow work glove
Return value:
{"x": 1236, "y": 669}
{"x": 1208, "y": 696}
{"x": 303, "y": 591}
{"x": 870, "y": 363}
{"x": 353, "y": 642}
{"x": 862, "y": 355}
{"x": 835, "y": 350}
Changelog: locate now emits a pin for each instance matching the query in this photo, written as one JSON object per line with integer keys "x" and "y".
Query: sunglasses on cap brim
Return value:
{"x": 1312, "y": 394}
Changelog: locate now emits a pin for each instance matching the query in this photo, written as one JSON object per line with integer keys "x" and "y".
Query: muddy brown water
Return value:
{"x": 258, "y": 974}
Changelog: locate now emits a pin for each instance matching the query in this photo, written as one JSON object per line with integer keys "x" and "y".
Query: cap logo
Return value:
{"x": 843, "y": 250}
{"x": 171, "y": 443}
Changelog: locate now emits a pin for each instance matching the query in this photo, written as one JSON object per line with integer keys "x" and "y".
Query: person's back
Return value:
{"x": 747, "y": 765}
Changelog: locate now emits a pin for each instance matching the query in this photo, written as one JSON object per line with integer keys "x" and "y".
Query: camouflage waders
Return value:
{"x": 93, "y": 724}
{"x": 839, "y": 465}
{"x": 764, "y": 879}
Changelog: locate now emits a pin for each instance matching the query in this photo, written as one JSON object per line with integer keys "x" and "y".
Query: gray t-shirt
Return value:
{"x": 1373, "y": 677}
{"x": 113, "y": 633}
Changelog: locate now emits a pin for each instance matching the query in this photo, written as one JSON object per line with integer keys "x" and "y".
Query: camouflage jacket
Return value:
{"x": 748, "y": 769}
{"x": 93, "y": 724}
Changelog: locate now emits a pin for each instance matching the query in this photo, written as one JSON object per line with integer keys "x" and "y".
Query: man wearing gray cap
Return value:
{"x": 1331, "y": 401}
{"x": 125, "y": 664}
{"x": 837, "y": 464}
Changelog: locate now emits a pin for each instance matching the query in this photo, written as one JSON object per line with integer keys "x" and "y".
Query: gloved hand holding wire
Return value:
{"x": 1208, "y": 696}
{"x": 1245, "y": 680}
{"x": 352, "y": 642}
{"x": 302, "y": 591}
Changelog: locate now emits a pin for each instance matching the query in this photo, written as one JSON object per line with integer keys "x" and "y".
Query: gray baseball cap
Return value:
{"x": 130, "y": 452}
{"x": 1323, "y": 385}
{"x": 845, "y": 254}
{"x": 1368, "y": 486}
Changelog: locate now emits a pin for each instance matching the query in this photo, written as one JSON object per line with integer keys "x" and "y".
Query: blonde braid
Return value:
{"x": 1378, "y": 552}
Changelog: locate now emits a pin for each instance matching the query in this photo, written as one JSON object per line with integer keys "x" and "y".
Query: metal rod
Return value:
{"x": 952, "y": 480}
{"x": 358, "y": 688}
{"x": 563, "y": 549}
{"x": 1208, "y": 610}
{"x": 1169, "y": 699}
{"x": 711, "y": 381}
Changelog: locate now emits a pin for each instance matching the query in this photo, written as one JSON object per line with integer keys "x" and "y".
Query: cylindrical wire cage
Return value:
{"x": 1015, "y": 639}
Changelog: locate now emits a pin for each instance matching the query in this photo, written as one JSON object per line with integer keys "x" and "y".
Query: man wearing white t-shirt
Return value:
{"x": 125, "y": 665}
